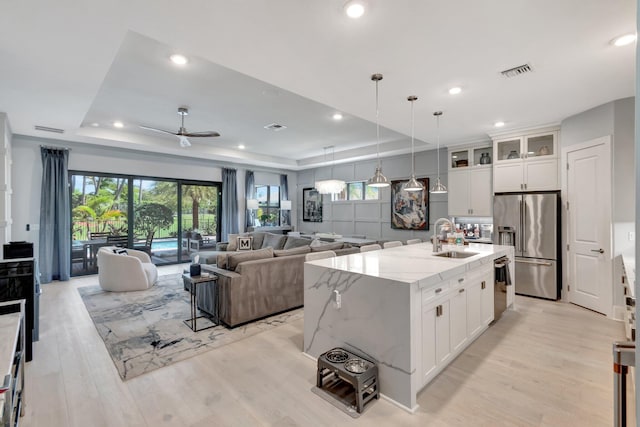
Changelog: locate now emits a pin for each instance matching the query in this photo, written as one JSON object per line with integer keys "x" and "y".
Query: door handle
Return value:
{"x": 543, "y": 264}
{"x": 600, "y": 251}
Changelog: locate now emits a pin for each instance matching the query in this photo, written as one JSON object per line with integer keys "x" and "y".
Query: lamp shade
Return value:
{"x": 252, "y": 203}
{"x": 285, "y": 205}
{"x": 413, "y": 185}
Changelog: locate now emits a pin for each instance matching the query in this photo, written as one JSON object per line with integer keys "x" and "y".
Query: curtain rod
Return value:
{"x": 48, "y": 147}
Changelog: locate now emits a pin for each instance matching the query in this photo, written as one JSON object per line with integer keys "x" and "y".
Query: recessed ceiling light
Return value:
{"x": 624, "y": 40}
{"x": 118, "y": 125}
{"x": 337, "y": 116}
{"x": 178, "y": 59}
{"x": 241, "y": 147}
{"x": 498, "y": 124}
{"x": 95, "y": 124}
{"x": 354, "y": 8}
{"x": 455, "y": 90}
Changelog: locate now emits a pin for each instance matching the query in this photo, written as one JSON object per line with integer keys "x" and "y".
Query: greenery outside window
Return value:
{"x": 356, "y": 191}
{"x": 268, "y": 204}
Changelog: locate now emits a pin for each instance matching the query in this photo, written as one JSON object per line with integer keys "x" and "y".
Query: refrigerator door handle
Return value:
{"x": 520, "y": 238}
{"x": 524, "y": 224}
{"x": 542, "y": 264}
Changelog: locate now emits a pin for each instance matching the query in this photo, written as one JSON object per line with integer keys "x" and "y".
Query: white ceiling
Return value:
{"x": 295, "y": 62}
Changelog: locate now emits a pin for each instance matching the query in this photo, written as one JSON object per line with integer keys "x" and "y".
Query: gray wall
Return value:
{"x": 27, "y": 175}
{"x": 373, "y": 217}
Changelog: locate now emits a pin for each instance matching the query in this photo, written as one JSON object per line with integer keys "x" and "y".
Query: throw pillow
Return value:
{"x": 294, "y": 251}
{"x": 275, "y": 241}
{"x": 327, "y": 247}
{"x": 258, "y": 238}
{"x": 235, "y": 259}
{"x": 120, "y": 251}
{"x": 245, "y": 243}
{"x": 296, "y": 242}
{"x": 233, "y": 243}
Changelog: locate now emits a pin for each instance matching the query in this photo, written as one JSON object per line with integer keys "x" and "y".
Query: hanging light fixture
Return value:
{"x": 438, "y": 187}
{"x": 412, "y": 184}
{"x": 378, "y": 179}
{"x": 330, "y": 186}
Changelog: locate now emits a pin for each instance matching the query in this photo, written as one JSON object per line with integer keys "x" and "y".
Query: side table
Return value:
{"x": 194, "y": 283}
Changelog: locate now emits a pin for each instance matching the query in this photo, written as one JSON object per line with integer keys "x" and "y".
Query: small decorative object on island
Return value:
{"x": 485, "y": 159}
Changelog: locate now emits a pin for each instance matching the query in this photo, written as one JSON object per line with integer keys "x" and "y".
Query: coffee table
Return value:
{"x": 194, "y": 283}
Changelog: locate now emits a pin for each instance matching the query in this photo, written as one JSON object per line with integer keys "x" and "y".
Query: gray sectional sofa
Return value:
{"x": 261, "y": 282}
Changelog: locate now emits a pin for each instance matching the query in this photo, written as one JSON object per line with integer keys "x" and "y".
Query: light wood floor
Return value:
{"x": 545, "y": 364}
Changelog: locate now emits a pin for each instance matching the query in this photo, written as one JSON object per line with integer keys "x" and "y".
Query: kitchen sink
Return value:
{"x": 455, "y": 254}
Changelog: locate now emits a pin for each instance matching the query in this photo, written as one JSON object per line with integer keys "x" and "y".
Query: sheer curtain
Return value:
{"x": 249, "y": 191}
{"x": 284, "y": 195}
{"x": 229, "y": 203}
{"x": 55, "y": 216}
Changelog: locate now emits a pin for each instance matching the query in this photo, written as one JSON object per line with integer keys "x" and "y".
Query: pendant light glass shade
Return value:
{"x": 412, "y": 184}
{"x": 330, "y": 186}
{"x": 378, "y": 179}
{"x": 438, "y": 187}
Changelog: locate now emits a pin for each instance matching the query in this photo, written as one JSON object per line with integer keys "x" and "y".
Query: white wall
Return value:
{"x": 368, "y": 217}
{"x": 5, "y": 179}
{"x": 27, "y": 175}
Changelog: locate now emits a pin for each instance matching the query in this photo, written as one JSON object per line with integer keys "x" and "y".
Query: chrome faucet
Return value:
{"x": 437, "y": 246}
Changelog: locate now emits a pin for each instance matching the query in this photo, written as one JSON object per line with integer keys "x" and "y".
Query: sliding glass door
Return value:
{"x": 167, "y": 218}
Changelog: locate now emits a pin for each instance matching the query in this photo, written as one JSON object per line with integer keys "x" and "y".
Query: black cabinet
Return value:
{"x": 18, "y": 281}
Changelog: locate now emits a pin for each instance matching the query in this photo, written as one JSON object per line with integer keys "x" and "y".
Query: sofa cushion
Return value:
{"x": 234, "y": 259}
{"x": 275, "y": 241}
{"x": 332, "y": 246}
{"x": 293, "y": 251}
{"x": 296, "y": 242}
{"x": 258, "y": 238}
{"x": 233, "y": 242}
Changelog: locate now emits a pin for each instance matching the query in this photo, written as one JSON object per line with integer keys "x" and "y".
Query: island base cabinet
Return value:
{"x": 436, "y": 342}
{"x": 458, "y": 319}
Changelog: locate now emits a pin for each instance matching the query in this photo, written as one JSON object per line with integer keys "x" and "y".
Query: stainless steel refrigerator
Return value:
{"x": 531, "y": 223}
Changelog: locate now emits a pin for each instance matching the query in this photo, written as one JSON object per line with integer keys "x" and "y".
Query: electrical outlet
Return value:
{"x": 27, "y": 227}
{"x": 632, "y": 236}
{"x": 337, "y": 301}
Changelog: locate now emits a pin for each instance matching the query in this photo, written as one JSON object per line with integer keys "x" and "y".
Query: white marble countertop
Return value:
{"x": 629, "y": 261}
{"x": 415, "y": 263}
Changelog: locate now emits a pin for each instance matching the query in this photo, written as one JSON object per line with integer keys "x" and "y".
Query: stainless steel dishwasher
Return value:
{"x": 502, "y": 281}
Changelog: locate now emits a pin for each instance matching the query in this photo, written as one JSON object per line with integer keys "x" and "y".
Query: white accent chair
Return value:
{"x": 369, "y": 248}
{"x": 319, "y": 255}
{"x": 392, "y": 244}
{"x": 414, "y": 241}
{"x": 130, "y": 271}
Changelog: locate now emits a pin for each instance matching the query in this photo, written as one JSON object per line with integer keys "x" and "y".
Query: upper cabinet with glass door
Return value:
{"x": 474, "y": 156}
{"x": 527, "y": 162}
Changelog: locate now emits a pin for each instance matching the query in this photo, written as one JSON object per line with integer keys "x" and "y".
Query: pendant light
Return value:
{"x": 330, "y": 186}
{"x": 412, "y": 184}
{"x": 378, "y": 179}
{"x": 438, "y": 187}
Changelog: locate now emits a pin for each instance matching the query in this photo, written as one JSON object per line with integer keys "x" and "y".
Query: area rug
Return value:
{"x": 144, "y": 330}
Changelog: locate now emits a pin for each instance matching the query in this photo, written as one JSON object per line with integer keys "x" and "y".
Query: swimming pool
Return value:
{"x": 164, "y": 245}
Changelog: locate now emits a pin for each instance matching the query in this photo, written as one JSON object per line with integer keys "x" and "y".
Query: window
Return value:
{"x": 268, "y": 205}
{"x": 356, "y": 191}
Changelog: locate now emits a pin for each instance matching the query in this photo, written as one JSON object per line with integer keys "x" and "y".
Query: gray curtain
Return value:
{"x": 249, "y": 191}
{"x": 284, "y": 195}
{"x": 229, "y": 203}
{"x": 55, "y": 216}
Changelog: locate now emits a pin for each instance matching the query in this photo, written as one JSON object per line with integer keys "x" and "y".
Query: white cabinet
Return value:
{"x": 526, "y": 162}
{"x": 453, "y": 314}
{"x": 469, "y": 180}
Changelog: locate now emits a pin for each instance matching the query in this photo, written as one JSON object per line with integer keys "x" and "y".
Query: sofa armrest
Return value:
{"x": 220, "y": 272}
{"x": 142, "y": 256}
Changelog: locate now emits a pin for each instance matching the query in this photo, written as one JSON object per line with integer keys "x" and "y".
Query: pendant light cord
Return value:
{"x": 377, "y": 127}
{"x": 438, "y": 150}
{"x": 413, "y": 159}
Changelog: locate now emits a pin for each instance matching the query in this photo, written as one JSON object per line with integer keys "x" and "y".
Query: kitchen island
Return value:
{"x": 405, "y": 308}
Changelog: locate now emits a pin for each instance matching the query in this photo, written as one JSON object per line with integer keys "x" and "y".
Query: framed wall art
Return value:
{"x": 311, "y": 205}
{"x": 410, "y": 209}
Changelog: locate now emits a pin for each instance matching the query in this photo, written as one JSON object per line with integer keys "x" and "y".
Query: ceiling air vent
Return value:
{"x": 48, "y": 129}
{"x": 275, "y": 127}
{"x": 516, "y": 71}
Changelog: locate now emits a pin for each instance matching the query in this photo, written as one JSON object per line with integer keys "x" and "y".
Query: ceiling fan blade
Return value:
{"x": 184, "y": 141}
{"x": 157, "y": 130}
{"x": 202, "y": 134}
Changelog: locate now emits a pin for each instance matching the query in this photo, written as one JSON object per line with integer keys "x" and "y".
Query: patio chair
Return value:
{"x": 120, "y": 241}
{"x": 147, "y": 244}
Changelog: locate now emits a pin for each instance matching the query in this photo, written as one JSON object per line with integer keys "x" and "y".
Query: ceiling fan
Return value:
{"x": 182, "y": 134}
